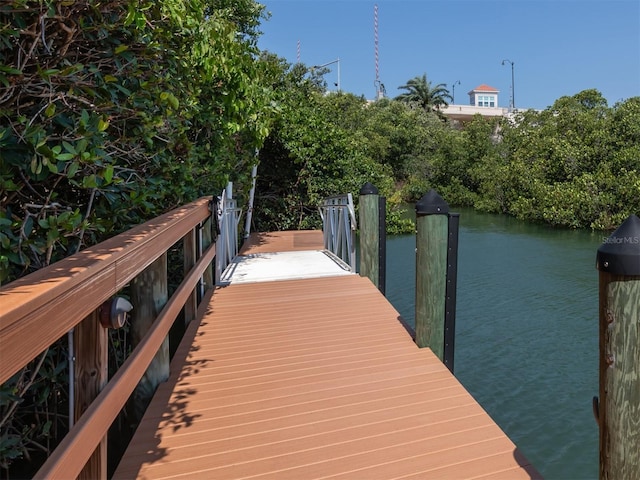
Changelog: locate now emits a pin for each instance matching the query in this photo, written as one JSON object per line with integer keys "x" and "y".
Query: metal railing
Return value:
{"x": 228, "y": 214}
{"x": 339, "y": 227}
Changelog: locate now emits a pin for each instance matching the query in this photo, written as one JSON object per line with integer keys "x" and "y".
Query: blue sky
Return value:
{"x": 558, "y": 47}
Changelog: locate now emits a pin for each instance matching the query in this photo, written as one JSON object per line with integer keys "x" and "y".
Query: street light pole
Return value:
{"x": 513, "y": 93}
{"x": 453, "y": 89}
{"x": 331, "y": 63}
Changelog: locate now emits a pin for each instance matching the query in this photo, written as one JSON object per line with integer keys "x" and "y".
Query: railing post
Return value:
{"x": 433, "y": 297}
{"x": 372, "y": 236}
{"x": 207, "y": 239}
{"x": 618, "y": 408}
{"x": 190, "y": 254}
{"x": 220, "y": 241}
{"x": 90, "y": 344}
{"x": 149, "y": 294}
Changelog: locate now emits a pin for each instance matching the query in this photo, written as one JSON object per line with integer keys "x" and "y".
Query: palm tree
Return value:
{"x": 421, "y": 92}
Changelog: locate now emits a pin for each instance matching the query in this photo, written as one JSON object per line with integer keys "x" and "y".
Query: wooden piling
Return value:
{"x": 149, "y": 294}
{"x": 370, "y": 233}
{"x": 431, "y": 271}
{"x": 91, "y": 374}
{"x": 618, "y": 409}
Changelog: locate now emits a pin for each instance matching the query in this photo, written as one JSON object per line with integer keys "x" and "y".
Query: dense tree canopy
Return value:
{"x": 115, "y": 111}
{"x": 576, "y": 162}
{"x": 314, "y": 150}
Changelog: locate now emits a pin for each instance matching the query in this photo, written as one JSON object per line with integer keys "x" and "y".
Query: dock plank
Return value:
{"x": 285, "y": 241}
{"x": 313, "y": 378}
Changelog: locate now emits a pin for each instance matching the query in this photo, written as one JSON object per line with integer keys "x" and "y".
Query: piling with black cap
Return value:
{"x": 432, "y": 215}
{"x": 618, "y": 408}
{"x": 372, "y": 235}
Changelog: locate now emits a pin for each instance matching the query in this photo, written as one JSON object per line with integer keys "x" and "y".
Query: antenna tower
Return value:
{"x": 379, "y": 86}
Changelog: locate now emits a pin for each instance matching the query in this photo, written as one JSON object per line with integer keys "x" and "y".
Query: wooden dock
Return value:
{"x": 312, "y": 378}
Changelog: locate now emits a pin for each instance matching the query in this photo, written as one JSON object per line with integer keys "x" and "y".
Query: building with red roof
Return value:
{"x": 484, "y": 96}
{"x": 483, "y": 100}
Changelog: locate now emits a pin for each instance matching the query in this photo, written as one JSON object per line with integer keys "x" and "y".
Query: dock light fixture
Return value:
{"x": 114, "y": 312}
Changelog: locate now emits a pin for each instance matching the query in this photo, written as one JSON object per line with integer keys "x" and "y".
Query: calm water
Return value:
{"x": 526, "y": 333}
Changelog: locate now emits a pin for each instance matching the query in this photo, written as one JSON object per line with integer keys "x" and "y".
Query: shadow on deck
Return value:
{"x": 312, "y": 378}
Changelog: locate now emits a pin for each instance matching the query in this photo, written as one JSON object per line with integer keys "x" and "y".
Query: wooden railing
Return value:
{"x": 40, "y": 308}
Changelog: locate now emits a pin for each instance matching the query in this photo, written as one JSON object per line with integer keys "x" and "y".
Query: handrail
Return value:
{"x": 339, "y": 226}
{"x": 95, "y": 274}
{"x": 72, "y": 453}
{"x": 41, "y": 307}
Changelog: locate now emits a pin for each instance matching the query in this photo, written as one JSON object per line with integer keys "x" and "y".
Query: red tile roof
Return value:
{"x": 484, "y": 88}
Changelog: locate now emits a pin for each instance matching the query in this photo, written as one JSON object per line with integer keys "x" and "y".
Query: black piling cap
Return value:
{"x": 368, "y": 189}
{"x": 620, "y": 253}
{"x": 431, "y": 203}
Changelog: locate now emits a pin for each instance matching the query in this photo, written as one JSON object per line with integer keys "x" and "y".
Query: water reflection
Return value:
{"x": 526, "y": 333}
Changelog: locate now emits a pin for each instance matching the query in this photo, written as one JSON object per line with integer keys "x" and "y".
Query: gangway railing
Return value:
{"x": 228, "y": 217}
{"x": 339, "y": 226}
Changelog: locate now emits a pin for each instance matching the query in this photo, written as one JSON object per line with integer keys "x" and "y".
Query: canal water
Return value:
{"x": 526, "y": 332}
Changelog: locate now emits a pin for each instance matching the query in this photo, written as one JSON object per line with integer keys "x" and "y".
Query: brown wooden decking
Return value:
{"x": 286, "y": 241}
{"x": 312, "y": 378}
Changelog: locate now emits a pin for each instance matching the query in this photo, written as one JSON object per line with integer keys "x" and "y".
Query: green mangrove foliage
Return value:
{"x": 575, "y": 164}
{"x": 313, "y": 150}
{"x": 113, "y": 112}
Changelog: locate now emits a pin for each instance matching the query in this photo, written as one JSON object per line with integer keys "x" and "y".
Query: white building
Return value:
{"x": 483, "y": 100}
{"x": 484, "y": 96}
